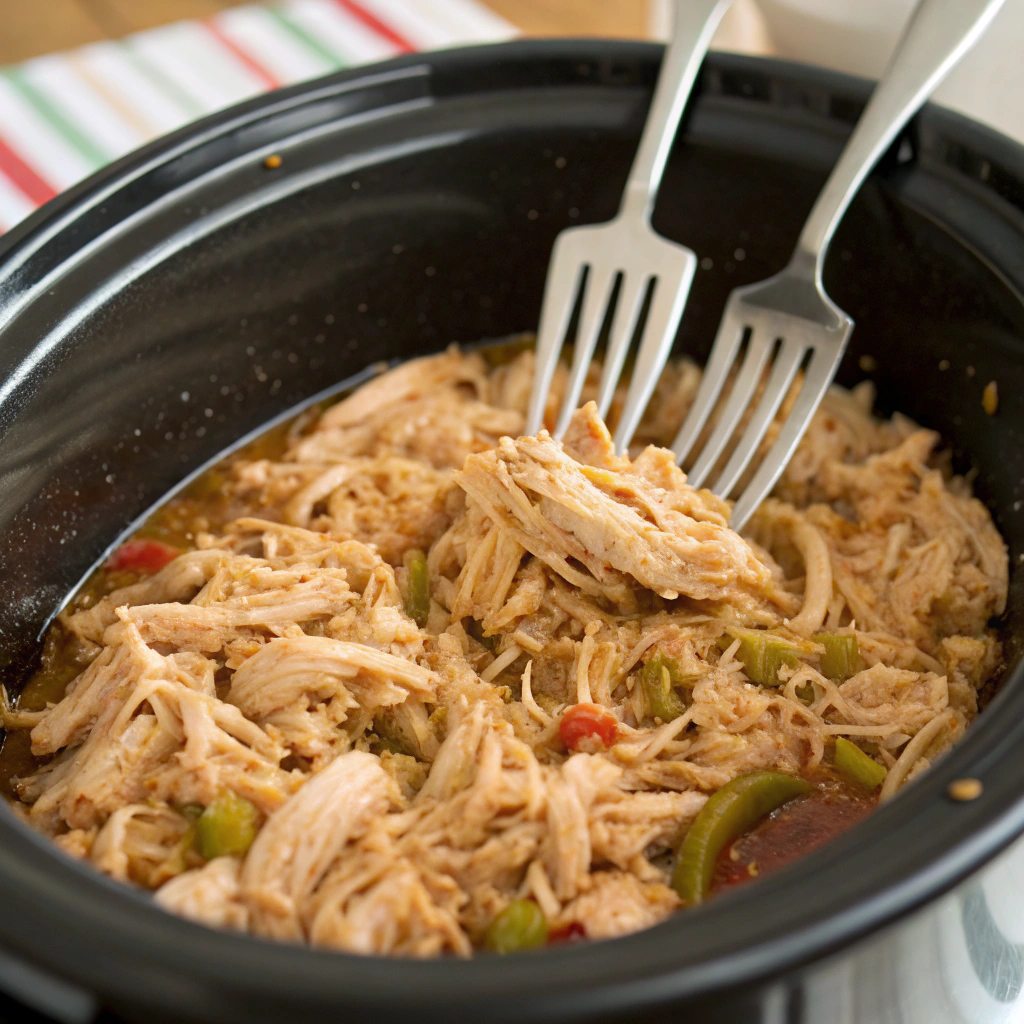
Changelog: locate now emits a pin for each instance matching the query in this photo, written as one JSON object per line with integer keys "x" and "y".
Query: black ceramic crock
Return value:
{"x": 180, "y": 298}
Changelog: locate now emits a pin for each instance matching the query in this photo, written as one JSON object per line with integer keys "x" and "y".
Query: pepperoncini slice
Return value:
{"x": 657, "y": 680}
{"x": 855, "y": 764}
{"x": 841, "y": 658}
{"x": 417, "y": 596}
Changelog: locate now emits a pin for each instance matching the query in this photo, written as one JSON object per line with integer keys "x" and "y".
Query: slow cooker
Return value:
{"x": 171, "y": 304}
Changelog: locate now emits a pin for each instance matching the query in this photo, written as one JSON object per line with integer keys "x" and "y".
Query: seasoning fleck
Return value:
{"x": 272, "y": 162}
{"x": 943, "y": 364}
{"x": 970, "y": 371}
{"x": 965, "y": 789}
{"x": 868, "y": 363}
{"x": 990, "y": 398}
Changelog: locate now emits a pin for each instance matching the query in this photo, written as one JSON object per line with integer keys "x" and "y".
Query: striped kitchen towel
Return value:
{"x": 64, "y": 115}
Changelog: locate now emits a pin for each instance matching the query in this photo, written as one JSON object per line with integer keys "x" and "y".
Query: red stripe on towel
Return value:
{"x": 243, "y": 56}
{"x": 24, "y": 177}
{"x": 370, "y": 20}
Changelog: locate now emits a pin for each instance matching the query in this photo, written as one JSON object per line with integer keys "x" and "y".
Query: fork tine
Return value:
{"x": 563, "y": 285}
{"x": 817, "y": 378}
{"x": 595, "y": 304}
{"x": 788, "y": 361}
{"x": 723, "y": 354}
{"x": 627, "y": 309}
{"x": 659, "y": 335}
{"x": 759, "y": 348}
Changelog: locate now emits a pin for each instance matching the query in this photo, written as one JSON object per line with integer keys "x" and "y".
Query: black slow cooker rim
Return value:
{"x": 64, "y": 915}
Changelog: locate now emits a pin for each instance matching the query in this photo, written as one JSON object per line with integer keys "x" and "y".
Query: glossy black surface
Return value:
{"x": 186, "y": 295}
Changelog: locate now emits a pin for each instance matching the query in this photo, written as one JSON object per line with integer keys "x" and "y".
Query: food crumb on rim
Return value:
{"x": 990, "y": 398}
{"x": 965, "y": 789}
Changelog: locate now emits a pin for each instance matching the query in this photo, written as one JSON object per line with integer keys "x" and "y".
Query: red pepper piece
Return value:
{"x": 588, "y": 725}
{"x": 571, "y": 932}
{"x": 141, "y": 555}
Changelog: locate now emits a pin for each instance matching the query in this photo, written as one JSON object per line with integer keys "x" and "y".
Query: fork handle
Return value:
{"x": 937, "y": 35}
{"x": 693, "y": 24}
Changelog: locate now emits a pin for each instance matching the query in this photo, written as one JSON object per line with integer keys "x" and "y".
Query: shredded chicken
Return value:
{"x": 210, "y": 894}
{"x": 397, "y": 754}
{"x": 303, "y": 688}
{"x": 301, "y": 840}
{"x": 631, "y": 523}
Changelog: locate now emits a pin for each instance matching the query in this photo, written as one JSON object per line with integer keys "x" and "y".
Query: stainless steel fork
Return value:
{"x": 788, "y": 320}
{"x": 627, "y": 251}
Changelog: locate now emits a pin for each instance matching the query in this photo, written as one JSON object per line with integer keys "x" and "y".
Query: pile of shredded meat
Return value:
{"x": 412, "y": 779}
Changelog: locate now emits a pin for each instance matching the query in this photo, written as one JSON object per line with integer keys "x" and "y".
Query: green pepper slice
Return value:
{"x": 521, "y": 925}
{"x": 764, "y": 653}
{"x": 855, "y": 764}
{"x": 734, "y": 809}
{"x": 417, "y": 595}
{"x": 841, "y": 658}
{"x": 227, "y": 826}
{"x": 805, "y": 693}
{"x": 656, "y": 680}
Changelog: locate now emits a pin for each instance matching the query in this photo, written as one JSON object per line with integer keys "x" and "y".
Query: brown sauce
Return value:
{"x": 794, "y": 830}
